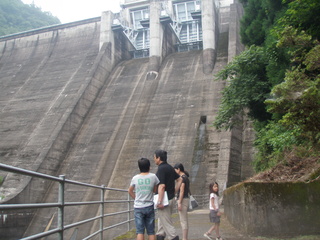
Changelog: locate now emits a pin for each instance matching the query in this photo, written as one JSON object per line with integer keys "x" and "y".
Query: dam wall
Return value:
{"x": 49, "y": 81}
{"x": 131, "y": 118}
{"x": 73, "y": 103}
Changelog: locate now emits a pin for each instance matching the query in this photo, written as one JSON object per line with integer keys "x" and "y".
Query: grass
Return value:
{"x": 128, "y": 235}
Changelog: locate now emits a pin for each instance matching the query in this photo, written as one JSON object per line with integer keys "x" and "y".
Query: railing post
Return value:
{"x": 102, "y": 211}
{"x": 61, "y": 207}
{"x": 128, "y": 212}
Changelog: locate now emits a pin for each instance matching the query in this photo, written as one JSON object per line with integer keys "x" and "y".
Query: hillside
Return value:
{"x": 18, "y": 17}
{"x": 293, "y": 169}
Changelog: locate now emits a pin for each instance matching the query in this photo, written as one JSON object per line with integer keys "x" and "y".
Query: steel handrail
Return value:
{"x": 61, "y": 204}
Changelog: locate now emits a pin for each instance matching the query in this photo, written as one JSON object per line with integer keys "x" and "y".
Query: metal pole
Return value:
{"x": 102, "y": 211}
{"x": 128, "y": 212}
{"x": 61, "y": 207}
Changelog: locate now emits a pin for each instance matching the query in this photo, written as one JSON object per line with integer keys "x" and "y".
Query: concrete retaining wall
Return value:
{"x": 274, "y": 209}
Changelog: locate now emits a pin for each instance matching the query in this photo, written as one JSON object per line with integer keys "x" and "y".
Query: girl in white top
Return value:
{"x": 214, "y": 211}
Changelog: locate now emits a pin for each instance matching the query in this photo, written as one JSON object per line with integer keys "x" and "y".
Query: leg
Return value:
{"x": 160, "y": 231}
{"x": 140, "y": 236}
{"x": 166, "y": 222}
{"x": 217, "y": 229}
{"x": 151, "y": 237}
{"x": 208, "y": 234}
{"x": 183, "y": 214}
{"x": 212, "y": 229}
{"x": 150, "y": 223}
{"x": 139, "y": 220}
{"x": 184, "y": 234}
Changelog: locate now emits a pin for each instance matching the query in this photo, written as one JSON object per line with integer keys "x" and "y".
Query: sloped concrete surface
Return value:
{"x": 131, "y": 118}
{"x": 42, "y": 79}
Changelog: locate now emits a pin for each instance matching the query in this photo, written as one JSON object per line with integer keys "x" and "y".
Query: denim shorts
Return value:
{"x": 145, "y": 219}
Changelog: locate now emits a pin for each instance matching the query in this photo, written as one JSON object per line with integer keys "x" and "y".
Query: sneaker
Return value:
{"x": 159, "y": 237}
{"x": 175, "y": 238}
{"x": 219, "y": 238}
{"x": 207, "y": 236}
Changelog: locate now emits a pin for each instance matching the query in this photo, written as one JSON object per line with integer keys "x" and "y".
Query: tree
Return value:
{"x": 298, "y": 96}
{"x": 247, "y": 89}
{"x": 282, "y": 75}
{"x": 17, "y": 17}
{"x": 258, "y": 18}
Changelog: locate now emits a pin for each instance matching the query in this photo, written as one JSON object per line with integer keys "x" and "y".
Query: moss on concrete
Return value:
{"x": 290, "y": 208}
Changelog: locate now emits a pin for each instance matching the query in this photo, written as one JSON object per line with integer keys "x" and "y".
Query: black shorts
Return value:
{"x": 213, "y": 216}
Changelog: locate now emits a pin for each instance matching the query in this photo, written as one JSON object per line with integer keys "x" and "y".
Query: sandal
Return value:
{"x": 207, "y": 235}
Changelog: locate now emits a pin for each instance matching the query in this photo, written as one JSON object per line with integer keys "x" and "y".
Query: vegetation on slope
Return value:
{"x": 276, "y": 80}
{"x": 16, "y": 16}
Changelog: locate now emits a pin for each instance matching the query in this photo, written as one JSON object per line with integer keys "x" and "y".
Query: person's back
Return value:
{"x": 141, "y": 189}
{"x": 183, "y": 199}
{"x": 144, "y": 188}
{"x": 167, "y": 175}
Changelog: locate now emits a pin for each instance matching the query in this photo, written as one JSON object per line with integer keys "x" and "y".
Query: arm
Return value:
{"x": 155, "y": 188}
{"x": 131, "y": 192}
{"x": 178, "y": 184}
{"x": 214, "y": 207}
{"x": 212, "y": 203}
{"x": 161, "y": 189}
{"x": 181, "y": 194}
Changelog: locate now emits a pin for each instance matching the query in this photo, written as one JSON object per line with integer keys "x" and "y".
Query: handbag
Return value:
{"x": 193, "y": 203}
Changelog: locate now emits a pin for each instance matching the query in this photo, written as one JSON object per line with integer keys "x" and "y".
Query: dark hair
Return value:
{"x": 179, "y": 166}
{"x": 211, "y": 188}
{"x": 162, "y": 154}
{"x": 144, "y": 165}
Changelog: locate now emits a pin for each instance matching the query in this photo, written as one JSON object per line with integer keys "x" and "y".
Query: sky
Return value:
{"x": 74, "y": 10}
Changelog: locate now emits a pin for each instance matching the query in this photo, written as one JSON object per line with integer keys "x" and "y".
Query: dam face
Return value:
{"x": 74, "y": 103}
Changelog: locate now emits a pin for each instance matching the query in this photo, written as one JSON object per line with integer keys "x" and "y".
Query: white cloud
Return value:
{"x": 74, "y": 10}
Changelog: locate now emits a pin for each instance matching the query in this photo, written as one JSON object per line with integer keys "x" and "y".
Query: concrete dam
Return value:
{"x": 75, "y": 102}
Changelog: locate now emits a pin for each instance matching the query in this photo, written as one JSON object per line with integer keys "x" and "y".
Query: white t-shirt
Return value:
{"x": 144, "y": 185}
{"x": 216, "y": 201}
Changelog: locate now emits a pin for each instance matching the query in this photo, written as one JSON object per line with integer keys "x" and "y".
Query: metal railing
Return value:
{"x": 203, "y": 200}
{"x": 61, "y": 204}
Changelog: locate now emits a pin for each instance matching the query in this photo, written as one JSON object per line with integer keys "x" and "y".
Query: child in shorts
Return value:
{"x": 141, "y": 189}
{"x": 214, "y": 211}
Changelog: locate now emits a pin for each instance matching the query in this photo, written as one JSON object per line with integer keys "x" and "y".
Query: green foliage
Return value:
{"x": 259, "y": 17}
{"x": 281, "y": 78}
{"x": 271, "y": 142}
{"x": 298, "y": 97}
{"x": 303, "y": 15}
{"x": 247, "y": 87}
{"x": 278, "y": 63}
{"x": 17, "y": 17}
